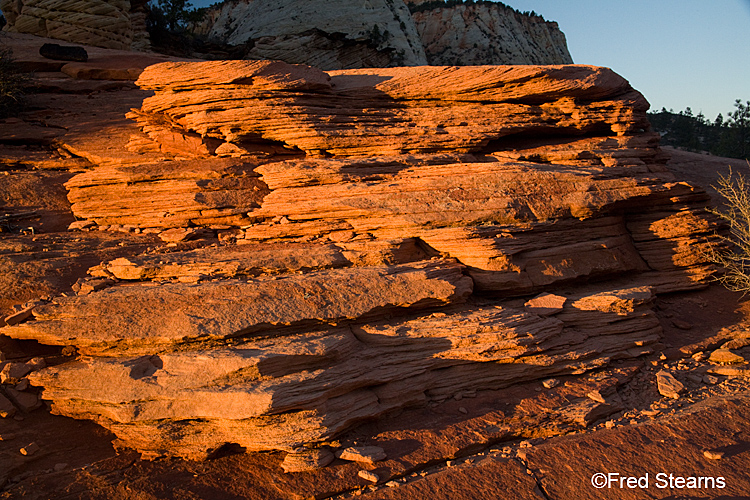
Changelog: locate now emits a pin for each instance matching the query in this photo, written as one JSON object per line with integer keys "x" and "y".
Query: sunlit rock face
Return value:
{"x": 382, "y": 232}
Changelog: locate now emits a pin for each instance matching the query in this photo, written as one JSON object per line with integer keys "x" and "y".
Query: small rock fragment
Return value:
{"x": 546, "y": 304}
{"x": 12, "y": 373}
{"x": 550, "y": 383}
{"x": 25, "y": 401}
{"x": 725, "y": 356}
{"x": 86, "y": 286}
{"x": 392, "y": 484}
{"x": 368, "y": 454}
{"x": 596, "y": 396}
{"x": 730, "y": 371}
{"x": 81, "y": 225}
{"x": 35, "y": 364}
{"x": 682, "y": 325}
{"x": 369, "y": 476}
{"x": 699, "y": 356}
{"x": 60, "y": 467}
{"x": 463, "y": 410}
{"x": 63, "y": 52}
{"x": 18, "y": 317}
{"x": 713, "y": 455}
{"x": 668, "y": 385}
{"x": 177, "y": 234}
{"x": 30, "y": 449}
{"x": 710, "y": 379}
{"x": 304, "y": 459}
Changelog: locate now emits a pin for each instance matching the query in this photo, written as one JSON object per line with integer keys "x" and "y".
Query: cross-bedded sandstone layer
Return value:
{"x": 382, "y": 231}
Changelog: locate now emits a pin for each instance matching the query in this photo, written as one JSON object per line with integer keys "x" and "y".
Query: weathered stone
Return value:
{"x": 7, "y": 409}
{"x": 668, "y": 385}
{"x": 369, "y": 476}
{"x": 367, "y": 454}
{"x": 724, "y": 356}
{"x": 682, "y": 325}
{"x": 170, "y": 313}
{"x": 307, "y": 387}
{"x": 30, "y": 449}
{"x": 25, "y": 401}
{"x": 178, "y": 234}
{"x": 305, "y": 460}
{"x": 81, "y": 225}
{"x": 596, "y": 396}
{"x": 713, "y": 455}
{"x": 730, "y": 371}
{"x": 63, "y": 52}
{"x": 87, "y": 285}
{"x": 438, "y": 109}
{"x": 587, "y": 411}
{"x": 550, "y": 383}
{"x": 546, "y": 304}
{"x": 19, "y": 317}
{"x": 13, "y": 372}
{"x": 710, "y": 379}
{"x": 168, "y": 194}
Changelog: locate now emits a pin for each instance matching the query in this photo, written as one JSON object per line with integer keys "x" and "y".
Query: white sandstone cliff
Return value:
{"x": 484, "y": 33}
{"x": 335, "y": 34}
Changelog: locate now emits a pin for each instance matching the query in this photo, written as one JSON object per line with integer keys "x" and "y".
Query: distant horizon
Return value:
{"x": 677, "y": 53}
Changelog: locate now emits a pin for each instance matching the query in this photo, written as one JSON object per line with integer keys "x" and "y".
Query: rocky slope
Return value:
{"x": 487, "y": 33}
{"x": 374, "y": 240}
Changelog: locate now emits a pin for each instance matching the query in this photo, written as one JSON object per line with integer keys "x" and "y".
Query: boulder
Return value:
{"x": 63, "y": 52}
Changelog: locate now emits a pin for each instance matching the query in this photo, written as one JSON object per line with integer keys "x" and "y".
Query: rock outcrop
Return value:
{"x": 383, "y": 33}
{"x": 486, "y": 33}
{"x": 329, "y": 35}
{"x": 381, "y": 233}
{"x": 113, "y": 24}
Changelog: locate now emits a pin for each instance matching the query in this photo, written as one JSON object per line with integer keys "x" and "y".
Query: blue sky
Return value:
{"x": 678, "y": 53}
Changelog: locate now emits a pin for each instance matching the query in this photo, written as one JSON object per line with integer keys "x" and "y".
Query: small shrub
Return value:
{"x": 11, "y": 85}
{"x": 735, "y": 256}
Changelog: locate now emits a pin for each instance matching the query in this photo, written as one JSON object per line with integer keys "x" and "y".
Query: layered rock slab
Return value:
{"x": 176, "y": 312}
{"x": 537, "y": 179}
{"x": 168, "y": 194}
{"x": 282, "y": 392}
{"x": 397, "y": 110}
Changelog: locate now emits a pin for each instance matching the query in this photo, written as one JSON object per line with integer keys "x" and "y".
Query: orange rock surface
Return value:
{"x": 375, "y": 229}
